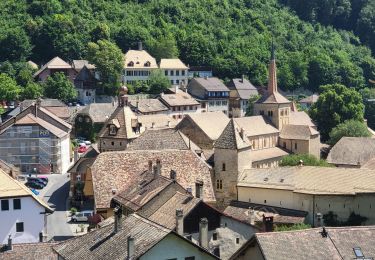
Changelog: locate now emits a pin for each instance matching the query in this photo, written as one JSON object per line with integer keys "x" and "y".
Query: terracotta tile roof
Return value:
{"x": 103, "y": 243}
{"x": 211, "y": 123}
{"x": 300, "y": 118}
{"x": 311, "y": 180}
{"x": 210, "y": 84}
{"x": 118, "y": 170}
{"x": 139, "y": 58}
{"x": 355, "y": 151}
{"x": 179, "y": 99}
{"x": 98, "y": 112}
{"x": 161, "y": 139}
{"x": 157, "y": 121}
{"x": 310, "y": 99}
{"x": 166, "y": 214}
{"x": 139, "y": 193}
{"x": 240, "y": 210}
{"x": 39, "y": 251}
{"x": 172, "y": 64}
{"x": 124, "y": 116}
{"x": 265, "y": 154}
{"x": 10, "y": 187}
{"x": 148, "y": 105}
{"x": 311, "y": 244}
{"x": 297, "y": 132}
{"x": 231, "y": 139}
{"x": 55, "y": 63}
{"x": 256, "y": 125}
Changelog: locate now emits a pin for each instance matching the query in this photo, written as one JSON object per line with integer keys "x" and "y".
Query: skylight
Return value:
{"x": 358, "y": 252}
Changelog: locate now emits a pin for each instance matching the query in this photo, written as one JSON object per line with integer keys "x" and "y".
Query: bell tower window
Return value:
{"x": 112, "y": 130}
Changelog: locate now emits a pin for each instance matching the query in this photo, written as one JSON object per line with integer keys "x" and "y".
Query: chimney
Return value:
{"x": 118, "y": 214}
{"x": 153, "y": 125}
{"x": 150, "y": 166}
{"x": 76, "y": 155}
{"x": 180, "y": 221}
{"x": 172, "y": 175}
{"x": 176, "y": 89}
{"x": 251, "y": 216}
{"x": 169, "y": 123}
{"x": 324, "y": 232}
{"x": 21, "y": 106}
{"x": 130, "y": 247}
{"x": 158, "y": 166}
{"x": 10, "y": 245}
{"x": 319, "y": 219}
{"x": 40, "y": 237}
{"x": 243, "y": 78}
{"x": 140, "y": 47}
{"x": 268, "y": 223}
{"x": 37, "y": 105}
{"x": 242, "y": 133}
{"x": 203, "y": 233}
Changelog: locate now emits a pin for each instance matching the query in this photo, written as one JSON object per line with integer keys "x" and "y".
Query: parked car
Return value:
{"x": 82, "y": 149}
{"x": 34, "y": 185}
{"x": 43, "y": 178}
{"x": 87, "y": 142}
{"x": 35, "y": 191}
{"x": 37, "y": 180}
{"x": 82, "y": 144}
{"x": 82, "y": 216}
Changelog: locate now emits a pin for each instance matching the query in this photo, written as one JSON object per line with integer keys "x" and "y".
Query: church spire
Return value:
{"x": 272, "y": 77}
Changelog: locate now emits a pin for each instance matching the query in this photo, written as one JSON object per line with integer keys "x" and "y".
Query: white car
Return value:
{"x": 82, "y": 216}
{"x": 87, "y": 142}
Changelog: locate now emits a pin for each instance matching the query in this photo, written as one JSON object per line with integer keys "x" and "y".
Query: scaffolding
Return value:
{"x": 31, "y": 148}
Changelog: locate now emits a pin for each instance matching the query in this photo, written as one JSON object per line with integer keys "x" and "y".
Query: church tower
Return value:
{"x": 272, "y": 104}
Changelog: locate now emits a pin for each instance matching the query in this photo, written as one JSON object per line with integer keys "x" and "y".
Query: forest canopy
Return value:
{"x": 233, "y": 37}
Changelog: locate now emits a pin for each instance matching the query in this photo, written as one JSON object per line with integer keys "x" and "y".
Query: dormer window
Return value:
{"x": 147, "y": 64}
{"x": 112, "y": 130}
{"x": 131, "y": 64}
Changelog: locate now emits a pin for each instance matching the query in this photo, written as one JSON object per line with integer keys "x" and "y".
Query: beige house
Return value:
{"x": 138, "y": 65}
{"x": 312, "y": 189}
{"x": 179, "y": 104}
{"x": 175, "y": 70}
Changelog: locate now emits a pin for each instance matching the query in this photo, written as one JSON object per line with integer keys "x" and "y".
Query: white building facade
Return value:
{"x": 175, "y": 70}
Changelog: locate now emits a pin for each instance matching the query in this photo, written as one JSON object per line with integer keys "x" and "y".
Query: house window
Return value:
{"x": 237, "y": 240}
{"x": 131, "y": 64}
{"x": 166, "y": 73}
{"x": 284, "y": 144}
{"x": 198, "y": 189}
{"x": 19, "y": 227}
{"x": 172, "y": 72}
{"x": 112, "y": 130}
{"x": 214, "y": 236}
{"x": 295, "y": 146}
{"x": 177, "y": 73}
{"x": 261, "y": 112}
{"x": 190, "y": 258}
{"x": 4, "y": 205}
{"x": 219, "y": 184}
{"x": 358, "y": 252}
{"x": 270, "y": 113}
{"x": 80, "y": 119}
{"x": 112, "y": 143}
{"x": 265, "y": 201}
{"x": 183, "y": 73}
{"x": 147, "y": 64}
{"x": 17, "y": 204}
{"x": 223, "y": 168}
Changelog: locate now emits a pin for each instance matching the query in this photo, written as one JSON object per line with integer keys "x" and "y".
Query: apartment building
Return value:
{"x": 175, "y": 70}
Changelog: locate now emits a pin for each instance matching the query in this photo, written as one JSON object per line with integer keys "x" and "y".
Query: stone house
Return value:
{"x": 175, "y": 70}
{"x": 133, "y": 237}
{"x": 113, "y": 172}
{"x": 179, "y": 104}
{"x": 240, "y": 92}
{"x": 211, "y": 93}
{"x": 315, "y": 243}
{"x": 311, "y": 189}
{"x": 53, "y": 66}
{"x": 36, "y": 140}
{"x": 85, "y": 83}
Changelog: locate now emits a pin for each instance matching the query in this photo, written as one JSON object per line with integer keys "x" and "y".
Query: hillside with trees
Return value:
{"x": 233, "y": 37}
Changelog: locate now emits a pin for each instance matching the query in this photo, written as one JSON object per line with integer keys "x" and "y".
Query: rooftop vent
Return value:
{"x": 114, "y": 191}
{"x": 281, "y": 180}
{"x": 265, "y": 179}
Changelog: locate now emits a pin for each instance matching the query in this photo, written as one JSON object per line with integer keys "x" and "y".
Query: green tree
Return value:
{"x": 299, "y": 226}
{"x": 108, "y": 60}
{"x": 335, "y": 105}
{"x": 349, "y": 128}
{"x": 9, "y": 90}
{"x": 14, "y": 45}
{"x": 158, "y": 82}
{"x": 308, "y": 160}
{"x": 32, "y": 90}
{"x": 58, "y": 86}
{"x": 164, "y": 48}
{"x": 250, "y": 108}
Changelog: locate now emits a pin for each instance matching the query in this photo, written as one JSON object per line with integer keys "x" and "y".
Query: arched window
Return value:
{"x": 131, "y": 64}
{"x": 147, "y": 64}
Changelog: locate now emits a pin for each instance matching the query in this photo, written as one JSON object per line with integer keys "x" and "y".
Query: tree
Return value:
{"x": 350, "y": 128}
{"x": 298, "y": 226}
{"x": 58, "y": 86}
{"x": 250, "y": 108}
{"x": 158, "y": 82}
{"x": 14, "y": 45}
{"x": 108, "y": 60}
{"x": 307, "y": 159}
{"x": 9, "y": 90}
{"x": 335, "y": 105}
{"x": 32, "y": 91}
{"x": 164, "y": 48}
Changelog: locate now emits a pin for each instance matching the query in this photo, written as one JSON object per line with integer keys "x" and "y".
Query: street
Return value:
{"x": 56, "y": 194}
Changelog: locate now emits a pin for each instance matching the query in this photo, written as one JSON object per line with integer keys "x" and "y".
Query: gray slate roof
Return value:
{"x": 310, "y": 244}
{"x": 98, "y": 112}
{"x": 148, "y": 105}
{"x": 211, "y": 84}
{"x": 40, "y": 251}
{"x": 231, "y": 139}
{"x": 244, "y": 88}
{"x": 104, "y": 244}
{"x": 352, "y": 151}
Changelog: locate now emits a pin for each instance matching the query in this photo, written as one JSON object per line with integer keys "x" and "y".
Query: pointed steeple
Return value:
{"x": 272, "y": 74}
